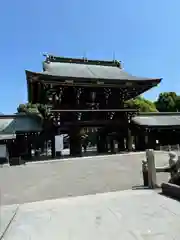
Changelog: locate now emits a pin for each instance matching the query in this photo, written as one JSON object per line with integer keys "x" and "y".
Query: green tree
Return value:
{"x": 178, "y": 103}
{"x": 34, "y": 109}
{"x": 167, "y": 102}
{"x": 141, "y": 104}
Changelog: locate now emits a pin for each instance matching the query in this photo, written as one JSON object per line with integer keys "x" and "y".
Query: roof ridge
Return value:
{"x": 159, "y": 113}
{"x": 112, "y": 63}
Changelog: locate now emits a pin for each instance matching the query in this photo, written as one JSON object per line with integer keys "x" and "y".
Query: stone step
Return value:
{"x": 171, "y": 190}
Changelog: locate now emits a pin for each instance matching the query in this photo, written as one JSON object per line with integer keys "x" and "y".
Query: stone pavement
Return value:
{"x": 128, "y": 215}
{"x": 74, "y": 177}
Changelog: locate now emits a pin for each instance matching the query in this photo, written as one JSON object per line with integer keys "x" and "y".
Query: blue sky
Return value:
{"x": 144, "y": 34}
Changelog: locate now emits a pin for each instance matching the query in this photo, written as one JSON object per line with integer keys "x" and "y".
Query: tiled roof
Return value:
{"x": 88, "y": 69}
{"x": 158, "y": 120}
{"x": 14, "y": 124}
{"x": 92, "y": 71}
{"x": 7, "y": 136}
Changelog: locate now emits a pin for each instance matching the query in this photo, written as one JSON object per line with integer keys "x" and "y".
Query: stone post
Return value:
{"x": 151, "y": 168}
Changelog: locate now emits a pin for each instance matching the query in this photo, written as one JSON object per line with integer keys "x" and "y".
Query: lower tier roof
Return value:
{"x": 166, "y": 120}
{"x": 7, "y": 136}
{"x": 13, "y": 124}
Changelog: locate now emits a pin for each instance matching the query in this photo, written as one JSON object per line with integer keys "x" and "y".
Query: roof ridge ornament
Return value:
{"x": 118, "y": 64}
{"x": 47, "y": 56}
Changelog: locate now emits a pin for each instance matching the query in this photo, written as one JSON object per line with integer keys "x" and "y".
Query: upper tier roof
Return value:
{"x": 87, "y": 69}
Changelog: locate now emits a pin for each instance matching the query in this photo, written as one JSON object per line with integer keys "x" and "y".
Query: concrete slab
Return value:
{"x": 130, "y": 215}
{"x": 7, "y": 214}
{"x": 74, "y": 177}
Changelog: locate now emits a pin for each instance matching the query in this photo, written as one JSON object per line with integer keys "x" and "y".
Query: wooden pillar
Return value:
{"x": 29, "y": 148}
{"x": 129, "y": 141}
{"x": 147, "y": 139}
{"x": 53, "y": 150}
{"x": 18, "y": 146}
{"x": 151, "y": 140}
{"x": 42, "y": 93}
{"x": 121, "y": 146}
{"x": 75, "y": 142}
{"x": 102, "y": 143}
{"x": 98, "y": 142}
{"x": 38, "y": 91}
{"x": 141, "y": 141}
{"x": 30, "y": 90}
{"x": 21, "y": 145}
{"x": 112, "y": 145}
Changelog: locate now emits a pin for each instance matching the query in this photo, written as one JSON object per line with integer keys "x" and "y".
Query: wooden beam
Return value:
{"x": 92, "y": 123}
{"x": 93, "y": 110}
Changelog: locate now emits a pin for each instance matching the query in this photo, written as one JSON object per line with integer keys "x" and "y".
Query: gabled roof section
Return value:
{"x": 166, "y": 120}
{"x": 87, "y": 69}
{"x": 12, "y": 124}
{"x": 7, "y": 136}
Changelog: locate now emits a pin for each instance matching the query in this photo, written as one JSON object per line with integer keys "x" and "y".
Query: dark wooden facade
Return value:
{"x": 20, "y": 133}
{"x": 156, "y": 129}
{"x": 81, "y": 93}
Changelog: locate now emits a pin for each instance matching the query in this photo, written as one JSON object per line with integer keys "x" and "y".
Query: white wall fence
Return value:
{"x": 168, "y": 148}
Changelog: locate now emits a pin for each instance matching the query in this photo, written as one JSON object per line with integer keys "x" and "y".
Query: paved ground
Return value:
{"x": 80, "y": 176}
{"x": 129, "y": 215}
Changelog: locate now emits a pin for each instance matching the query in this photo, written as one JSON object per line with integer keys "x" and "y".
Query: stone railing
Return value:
{"x": 172, "y": 188}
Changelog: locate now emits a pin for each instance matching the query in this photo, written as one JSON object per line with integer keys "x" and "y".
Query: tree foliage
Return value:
{"x": 34, "y": 109}
{"x": 141, "y": 104}
{"x": 168, "y": 102}
{"x": 178, "y": 103}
